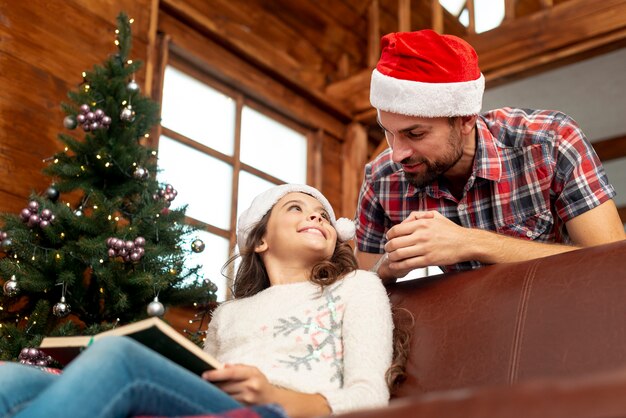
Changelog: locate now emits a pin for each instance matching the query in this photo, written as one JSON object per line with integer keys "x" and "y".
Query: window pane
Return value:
{"x": 202, "y": 182}
{"x": 489, "y": 14}
{"x": 249, "y": 187}
{"x": 212, "y": 259}
{"x": 198, "y": 111}
{"x": 264, "y": 141}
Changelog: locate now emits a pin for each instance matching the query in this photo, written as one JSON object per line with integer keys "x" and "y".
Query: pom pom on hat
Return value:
{"x": 264, "y": 202}
{"x": 426, "y": 74}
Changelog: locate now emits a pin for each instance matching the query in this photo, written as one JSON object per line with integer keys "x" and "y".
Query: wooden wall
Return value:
{"x": 44, "y": 47}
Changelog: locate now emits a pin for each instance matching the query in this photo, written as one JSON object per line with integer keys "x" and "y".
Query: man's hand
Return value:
{"x": 244, "y": 383}
{"x": 424, "y": 239}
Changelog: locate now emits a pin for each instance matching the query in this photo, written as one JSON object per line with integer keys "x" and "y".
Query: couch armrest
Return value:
{"x": 597, "y": 395}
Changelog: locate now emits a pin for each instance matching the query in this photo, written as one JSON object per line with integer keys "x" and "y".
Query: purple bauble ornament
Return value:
{"x": 135, "y": 256}
{"x": 46, "y": 214}
{"x": 44, "y": 224}
{"x": 99, "y": 114}
{"x": 84, "y": 108}
{"x": 33, "y": 220}
{"x": 111, "y": 252}
{"x": 106, "y": 120}
{"x": 140, "y": 241}
{"x": 81, "y": 118}
{"x": 25, "y": 214}
{"x": 33, "y": 206}
{"x": 90, "y": 116}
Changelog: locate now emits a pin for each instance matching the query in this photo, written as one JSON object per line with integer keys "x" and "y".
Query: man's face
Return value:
{"x": 426, "y": 147}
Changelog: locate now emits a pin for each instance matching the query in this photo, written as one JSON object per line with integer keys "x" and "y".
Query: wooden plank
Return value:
{"x": 354, "y": 159}
{"x": 611, "y": 148}
{"x": 213, "y": 59}
{"x": 509, "y": 9}
{"x": 404, "y": 15}
{"x": 327, "y": 31}
{"x": 331, "y": 175}
{"x": 153, "y": 50}
{"x": 437, "y": 16}
{"x": 382, "y": 145}
{"x": 45, "y": 47}
{"x": 576, "y": 21}
{"x": 505, "y": 54}
{"x": 315, "y": 164}
{"x": 471, "y": 11}
{"x": 238, "y": 25}
{"x": 546, "y": 4}
{"x": 373, "y": 35}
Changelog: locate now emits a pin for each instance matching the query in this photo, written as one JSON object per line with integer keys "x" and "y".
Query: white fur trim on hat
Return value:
{"x": 430, "y": 100}
{"x": 264, "y": 202}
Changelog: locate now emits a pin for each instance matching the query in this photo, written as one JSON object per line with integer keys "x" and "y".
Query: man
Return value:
{"x": 458, "y": 189}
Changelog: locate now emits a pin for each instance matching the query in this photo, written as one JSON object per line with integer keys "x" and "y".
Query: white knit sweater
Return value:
{"x": 337, "y": 343}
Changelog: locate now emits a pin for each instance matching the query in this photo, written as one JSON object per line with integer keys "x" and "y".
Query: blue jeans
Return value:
{"x": 114, "y": 377}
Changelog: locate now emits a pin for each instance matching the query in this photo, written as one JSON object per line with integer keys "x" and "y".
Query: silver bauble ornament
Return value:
{"x": 156, "y": 308}
{"x": 141, "y": 173}
{"x": 6, "y": 244}
{"x": 132, "y": 86}
{"x": 127, "y": 114}
{"x": 70, "y": 122}
{"x": 10, "y": 287}
{"x": 197, "y": 246}
{"x": 61, "y": 309}
{"x": 52, "y": 193}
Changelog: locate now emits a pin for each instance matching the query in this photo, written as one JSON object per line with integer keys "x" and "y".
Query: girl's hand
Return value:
{"x": 244, "y": 383}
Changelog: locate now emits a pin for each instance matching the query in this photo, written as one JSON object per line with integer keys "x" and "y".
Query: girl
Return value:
{"x": 306, "y": 331}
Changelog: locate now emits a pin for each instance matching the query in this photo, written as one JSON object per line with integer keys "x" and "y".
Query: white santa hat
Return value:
{"x": 428, "y": 75}
{"x": 264, "y": 202}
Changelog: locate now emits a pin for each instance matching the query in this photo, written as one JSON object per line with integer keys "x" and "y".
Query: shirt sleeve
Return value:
{"x": 370, "y": 218}
{"x": 367, "y": 346}
{"x": 581, "y": 183}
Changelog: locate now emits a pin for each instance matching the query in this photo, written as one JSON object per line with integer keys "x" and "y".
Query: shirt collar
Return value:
{"x": 487, "y": 162}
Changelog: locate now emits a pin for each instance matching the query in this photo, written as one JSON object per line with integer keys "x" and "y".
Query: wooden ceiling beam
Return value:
{"x": 520, "y": 47}
{"x": 580, "y": 25}
{"x": 611, "y": 148}
{"x": 283, "y": 56}
{"x": 404, "y": 15}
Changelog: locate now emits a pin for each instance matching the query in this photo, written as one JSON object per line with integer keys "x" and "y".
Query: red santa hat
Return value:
{"x": 426, "y": 74}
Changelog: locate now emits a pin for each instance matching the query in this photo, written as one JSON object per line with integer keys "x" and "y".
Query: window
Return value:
{"x": 216, "y": 143}
{"x": 488, "y": 13}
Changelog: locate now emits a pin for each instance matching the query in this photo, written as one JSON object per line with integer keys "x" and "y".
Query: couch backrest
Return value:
{"x": 556, "y": 316}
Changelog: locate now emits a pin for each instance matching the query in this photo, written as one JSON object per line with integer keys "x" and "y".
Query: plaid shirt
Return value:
{"x": 533, "y": 171}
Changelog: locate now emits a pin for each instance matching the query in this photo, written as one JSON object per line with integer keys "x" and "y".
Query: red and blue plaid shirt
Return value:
{"x": 534, "y": 170}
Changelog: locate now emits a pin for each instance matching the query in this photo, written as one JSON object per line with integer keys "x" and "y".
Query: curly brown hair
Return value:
{"x": 251, "y": 278}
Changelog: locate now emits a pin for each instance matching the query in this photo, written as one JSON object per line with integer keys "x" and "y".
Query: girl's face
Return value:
{"x": 299, "y": 227}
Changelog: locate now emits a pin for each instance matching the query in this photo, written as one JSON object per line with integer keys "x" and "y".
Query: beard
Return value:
{"x": 435, "y": 168}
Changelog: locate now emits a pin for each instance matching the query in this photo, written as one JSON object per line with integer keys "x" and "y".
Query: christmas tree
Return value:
{"x": 101, "y": 245}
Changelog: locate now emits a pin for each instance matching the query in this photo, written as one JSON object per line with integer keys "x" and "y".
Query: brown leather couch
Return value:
{"x": 543, "y": 338}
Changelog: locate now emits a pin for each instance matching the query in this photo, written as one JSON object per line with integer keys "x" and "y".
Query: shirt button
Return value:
{"x": 529, "y": 234}
{"x": 462, "y": 207}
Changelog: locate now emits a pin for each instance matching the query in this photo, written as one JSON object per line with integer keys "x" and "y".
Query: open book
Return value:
{"x": 153, "y": 332}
